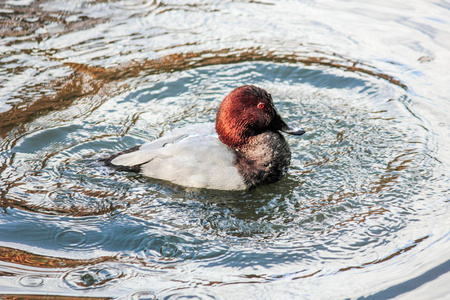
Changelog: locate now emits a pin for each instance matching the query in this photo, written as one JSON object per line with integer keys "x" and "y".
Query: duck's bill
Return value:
{"x": 278, "y": 124}
{"x": 294, "y": 131}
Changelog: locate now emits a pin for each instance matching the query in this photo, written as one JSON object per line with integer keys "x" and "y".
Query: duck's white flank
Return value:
{"x": 189, "y": 156}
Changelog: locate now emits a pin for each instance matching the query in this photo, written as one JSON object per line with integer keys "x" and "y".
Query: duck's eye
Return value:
{"x": 261, "y": 105}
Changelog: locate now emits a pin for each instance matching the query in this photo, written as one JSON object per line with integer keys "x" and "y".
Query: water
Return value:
{"x": 363, "y": 212}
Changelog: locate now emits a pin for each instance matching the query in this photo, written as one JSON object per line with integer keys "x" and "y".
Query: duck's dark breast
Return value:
{"x": 265, "y": 159}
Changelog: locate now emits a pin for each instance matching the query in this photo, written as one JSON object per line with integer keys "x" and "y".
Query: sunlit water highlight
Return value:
{"x": 363, "y": 211}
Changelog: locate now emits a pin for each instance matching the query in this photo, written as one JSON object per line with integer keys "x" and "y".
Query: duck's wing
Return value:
{"x": 191, "y": 156}
{"x": 131, "y": 159}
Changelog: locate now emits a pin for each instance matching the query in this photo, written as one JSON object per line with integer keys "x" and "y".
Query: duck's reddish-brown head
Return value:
{"x": 247, "y": 111}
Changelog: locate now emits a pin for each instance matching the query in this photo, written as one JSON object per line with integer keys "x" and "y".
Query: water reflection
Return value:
{"x": 371, "y": 149}
{"x": 90, "y": 78}
{"x": 30, "y": 20}
{"x": 25, "y": 258}
{"x": 87, "y": 81}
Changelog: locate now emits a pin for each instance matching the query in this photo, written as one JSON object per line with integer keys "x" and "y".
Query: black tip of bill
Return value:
{"x": 294, "y": 131}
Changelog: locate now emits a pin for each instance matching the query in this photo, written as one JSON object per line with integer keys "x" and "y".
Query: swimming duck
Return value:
{"x": 242, "y": 150}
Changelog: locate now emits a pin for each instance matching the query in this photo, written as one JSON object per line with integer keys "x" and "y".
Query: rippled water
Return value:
{"x": 363, "y": 212}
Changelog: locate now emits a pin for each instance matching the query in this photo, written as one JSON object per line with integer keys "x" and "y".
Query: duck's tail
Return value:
{"x": 109, "y": 161}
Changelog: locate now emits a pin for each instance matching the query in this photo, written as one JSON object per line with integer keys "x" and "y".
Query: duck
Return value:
{"x": 242, "y": 150}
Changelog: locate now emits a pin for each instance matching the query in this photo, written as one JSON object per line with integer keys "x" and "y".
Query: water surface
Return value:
{"x": 362, "y": 213}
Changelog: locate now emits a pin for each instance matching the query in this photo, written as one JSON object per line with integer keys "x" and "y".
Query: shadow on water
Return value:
{"x": 412, "y": 284}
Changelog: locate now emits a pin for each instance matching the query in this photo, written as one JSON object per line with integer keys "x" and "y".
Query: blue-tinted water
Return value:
{"x": 363, "y": 212}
